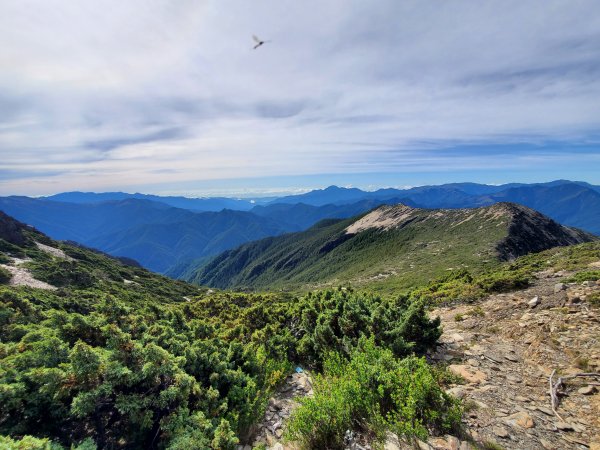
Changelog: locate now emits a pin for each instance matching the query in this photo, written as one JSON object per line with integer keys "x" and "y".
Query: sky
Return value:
{"x": 169, "y": 97}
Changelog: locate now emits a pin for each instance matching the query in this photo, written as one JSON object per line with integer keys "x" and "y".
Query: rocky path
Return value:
{"x": 507, "y": 346}
{"x": 504, "y": 347}
{"x": 270, "y": 431}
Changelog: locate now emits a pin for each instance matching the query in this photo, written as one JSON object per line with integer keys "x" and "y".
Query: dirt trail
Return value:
{"x": 269, "y": 432}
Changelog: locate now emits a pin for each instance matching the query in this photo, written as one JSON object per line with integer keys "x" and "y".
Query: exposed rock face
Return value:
{"x": 384, "y": 218}
{"x": 529, "y": 231}
{"x": 470, "y": 374}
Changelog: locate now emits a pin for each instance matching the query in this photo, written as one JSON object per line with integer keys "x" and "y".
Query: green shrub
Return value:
{"x": 336, "y": 320}
{"x": 594, "y": 299}
{"x": 372, "y": 391}
{"x": 158, "y": 363}
{"x": 587, "y": 275}
{"x": 63, "y": 273}
{"x": 225, "y": 438}
{"x": 27, "y": 443}
{"x": 503, "y": 281}
{"x": 5, "y": 276}
{"x": 477, "y": 311}
{"x": 11, "y": 249}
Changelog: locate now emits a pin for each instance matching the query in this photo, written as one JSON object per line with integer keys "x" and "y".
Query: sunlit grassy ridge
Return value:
{"x": 414, "y": 247}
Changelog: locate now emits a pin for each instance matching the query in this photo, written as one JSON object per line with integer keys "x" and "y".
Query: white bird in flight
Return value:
{"x": 258, "y": 41}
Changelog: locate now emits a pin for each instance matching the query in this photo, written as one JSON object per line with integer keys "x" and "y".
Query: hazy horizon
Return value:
{"x": 274, "y": 192}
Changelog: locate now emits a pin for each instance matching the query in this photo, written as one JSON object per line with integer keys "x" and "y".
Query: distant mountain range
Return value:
{"x": 391, "y": 247}
{"x": 572, "y": 203}
{"x": 156, "y": 235}
{"x": 429, "y": 196}
{"x": 171, "y": 234}
{"x": 160, "y": 237}
{"x": 193, "y": 204}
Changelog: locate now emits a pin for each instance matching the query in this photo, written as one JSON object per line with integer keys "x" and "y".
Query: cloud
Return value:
{"x": 95, "y": 95}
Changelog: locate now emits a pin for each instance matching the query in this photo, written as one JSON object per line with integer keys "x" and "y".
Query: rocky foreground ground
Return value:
{"x": 505, "y": 348}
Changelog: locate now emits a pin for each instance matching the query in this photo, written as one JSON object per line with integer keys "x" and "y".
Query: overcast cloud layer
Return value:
{"x": 111, "y": 94}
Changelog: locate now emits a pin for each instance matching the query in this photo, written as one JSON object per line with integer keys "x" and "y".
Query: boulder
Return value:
{"x": 521, "y": 419}
{"x": 457, "y": 391}
{"x": 453, "y": 442}
{"x": 587, "y": 390}
{"x": 468, "y": 373}
{"x": 500, "y": 431}
{"x": 392, "y": 442}
{"x": 564, "y": 426}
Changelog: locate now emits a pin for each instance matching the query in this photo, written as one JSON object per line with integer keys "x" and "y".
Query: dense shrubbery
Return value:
{"x": 4, "y": 259}
{"x": 5, "y": 276}
{"x": 588, "y": 275}
{"x": 27, "y": 443}
{"x": 462, "y": 286}
{"x": 119, "y": 357}
{"x": 376, "y": 392}
{"x": 336, "y": 320}
{"x": 137, "y": 378}
{"x": 156, "y": 363}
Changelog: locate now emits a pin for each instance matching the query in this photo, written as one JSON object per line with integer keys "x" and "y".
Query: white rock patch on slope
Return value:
{"x": 22, "y": 277}
{"x": 54, "y": 251}
{"x": 385, "y": 218}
